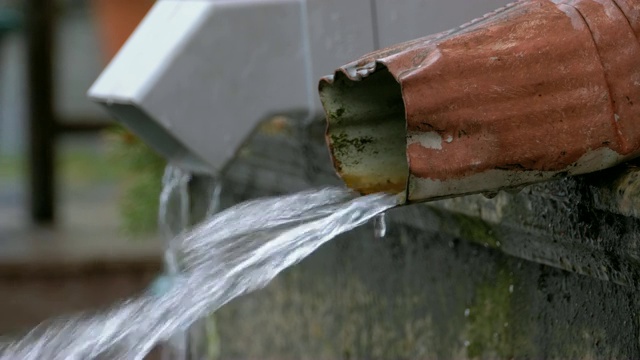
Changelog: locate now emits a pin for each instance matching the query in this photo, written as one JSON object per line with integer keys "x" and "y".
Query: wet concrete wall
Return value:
{"x": 547, "y": 272}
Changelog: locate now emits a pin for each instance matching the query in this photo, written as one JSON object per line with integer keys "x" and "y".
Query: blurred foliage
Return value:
{"x": 84, "y": 167}
{"x": 142, "y": 170}
{"x": 11, "y": 167}
{"x": 77, "y": 166}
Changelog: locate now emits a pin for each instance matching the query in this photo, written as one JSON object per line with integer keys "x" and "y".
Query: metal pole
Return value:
{"x": 41, "y": 121}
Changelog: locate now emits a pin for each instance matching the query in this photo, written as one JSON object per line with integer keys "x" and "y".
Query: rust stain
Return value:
{"x": 528, "y": 89}
{"x": 534, "y": 86}
{"x": 619, "y": 53}
{"x": 364, "y": 185}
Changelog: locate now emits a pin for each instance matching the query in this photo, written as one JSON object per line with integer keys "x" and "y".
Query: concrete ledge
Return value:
{"x": 588, "y": 224}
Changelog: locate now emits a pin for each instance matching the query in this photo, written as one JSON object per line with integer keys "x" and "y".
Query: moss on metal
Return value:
{"x": 344, "y": 145}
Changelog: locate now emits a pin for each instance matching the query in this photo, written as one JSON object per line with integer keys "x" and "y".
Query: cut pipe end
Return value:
{"x": 366, "y": 129}
{"x": 500, "y": 102}
{"x": 156, "y": 136}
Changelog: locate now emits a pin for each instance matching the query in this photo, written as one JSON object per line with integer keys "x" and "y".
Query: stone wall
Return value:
{"x": 549, "y": 271}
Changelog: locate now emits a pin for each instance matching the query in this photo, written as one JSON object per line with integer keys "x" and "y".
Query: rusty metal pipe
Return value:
{"x": 533, "y": 91}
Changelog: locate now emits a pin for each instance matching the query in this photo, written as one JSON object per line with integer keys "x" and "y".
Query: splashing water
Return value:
{"x": 235, "y": 252}
{"x": 380, "y": 226}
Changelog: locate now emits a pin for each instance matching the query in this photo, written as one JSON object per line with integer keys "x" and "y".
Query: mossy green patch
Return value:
{"x": 489, "y": 317}
{"x": 467, "y": 227}
{"x": 476, "y": 230}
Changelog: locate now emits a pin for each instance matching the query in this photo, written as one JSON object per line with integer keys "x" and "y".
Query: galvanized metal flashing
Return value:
{"x": 535, "y": 90}
{"x": 196, "y": 77}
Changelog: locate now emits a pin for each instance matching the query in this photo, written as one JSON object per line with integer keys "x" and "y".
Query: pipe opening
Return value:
{"x": 366, "y": 130}
{"x": 141, "y": 124}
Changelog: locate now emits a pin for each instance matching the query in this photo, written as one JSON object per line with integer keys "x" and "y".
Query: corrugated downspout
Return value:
{"x": 535, "y": 90}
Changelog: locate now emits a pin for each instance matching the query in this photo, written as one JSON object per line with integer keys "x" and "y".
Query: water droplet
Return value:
{"x": 467, "y": 312}
{"x": 511, "y": 289}
{"x": 506, "y": 324}
{"x": 498, "y": 243}
{"x": 380, "y": 226}
{"x": 467, "y": 343}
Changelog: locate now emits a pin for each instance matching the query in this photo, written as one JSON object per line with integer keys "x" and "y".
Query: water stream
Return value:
{"x": 234, "y": 252}
{"x": 173, "y": 219}
{"x": 173, "y": 213}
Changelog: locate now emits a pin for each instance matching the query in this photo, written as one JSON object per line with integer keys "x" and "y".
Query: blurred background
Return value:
{"x": 77, "y": 224}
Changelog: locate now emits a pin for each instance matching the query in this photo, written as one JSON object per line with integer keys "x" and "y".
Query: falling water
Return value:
{"x": 173, "y": 219}
{"x": 232, "y": 253}
{"x": 380, "y": 226}
{"x": 173, "y": 213}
